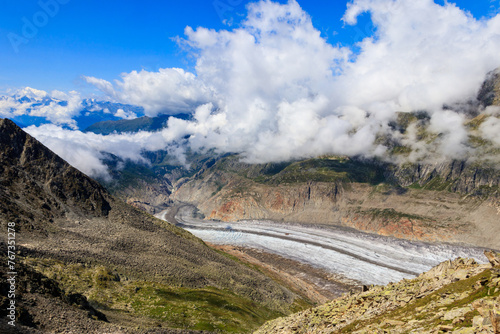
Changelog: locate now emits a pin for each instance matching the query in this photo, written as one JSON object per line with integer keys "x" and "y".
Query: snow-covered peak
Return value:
{"x": 30, "y": 106}
{"x": 30, "y": 93}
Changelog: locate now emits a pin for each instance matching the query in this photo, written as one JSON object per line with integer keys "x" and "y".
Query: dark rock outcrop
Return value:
{"x": 456, "y": 176}
{"x": 490, "y": 90}
{"x": 36, "y": 185}
{"x": 493, "y": 257}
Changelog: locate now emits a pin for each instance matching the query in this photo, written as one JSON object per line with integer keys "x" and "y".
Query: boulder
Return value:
{"x": 493, "y": 257}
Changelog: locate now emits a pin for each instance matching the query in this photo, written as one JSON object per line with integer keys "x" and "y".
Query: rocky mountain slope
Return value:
{"x": 136, "y": 270}
{"x": 457, "y": 296}
{"x": 38, "y": 187}
{"x": 490, "y": 91}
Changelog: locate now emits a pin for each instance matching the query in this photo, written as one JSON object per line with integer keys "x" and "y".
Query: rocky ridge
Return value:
{"x": 457, "y": 296}
{"x": 490, "y": 91}
{"x": 37, "y": 186}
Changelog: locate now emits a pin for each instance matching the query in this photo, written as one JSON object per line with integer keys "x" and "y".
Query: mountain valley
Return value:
{"x": 93, "y": 252}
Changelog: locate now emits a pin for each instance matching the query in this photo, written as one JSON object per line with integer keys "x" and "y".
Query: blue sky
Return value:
{"x": 106, "y": 38}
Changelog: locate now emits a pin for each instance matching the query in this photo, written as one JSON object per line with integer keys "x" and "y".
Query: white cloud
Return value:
{"x": 103, "y": 85}
{"x": 274, "y": 89}
{"x": 424, "y": 54}
{"x": 57, "y": 107}
{"x": 85, "y": 150}
{"x": 490, "y": 130}
{"x": 450, "y": 126}
{"x": 61, "y": 113}
{"x": 73, "y": 146}
{"x": 169, "y": 91}
{"x": 125, "y": 114}
{"x": 30, "y": 93}
{"x": 10, "y": 107}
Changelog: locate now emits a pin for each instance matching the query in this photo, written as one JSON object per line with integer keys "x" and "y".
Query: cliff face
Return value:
{"x": 415, "y": 202}
{"x": 456, "y": 176}
{"x": 456, "y": 296}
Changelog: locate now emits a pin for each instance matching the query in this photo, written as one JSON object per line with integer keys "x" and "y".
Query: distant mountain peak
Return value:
{"x": 31, "y": 93}
{"x": 29, "y": 106}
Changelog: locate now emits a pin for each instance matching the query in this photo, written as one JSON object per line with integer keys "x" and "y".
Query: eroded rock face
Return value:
{"x": 457, "y": 296}
{"x": 456, "y": 176}
{"x": 149, "y": 198}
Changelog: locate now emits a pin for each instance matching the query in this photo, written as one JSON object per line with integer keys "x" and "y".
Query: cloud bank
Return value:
{"x": 57, "y": 107}
{"x": 85, "y": 150}
{"x": 170, "y": 90}
{"x": 273, "y": 89}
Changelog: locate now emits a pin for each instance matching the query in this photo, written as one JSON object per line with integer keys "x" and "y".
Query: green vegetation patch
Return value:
{"x": 326, "y": 169}
{"x": 476, "y": 122}
{"x": 206, "y": 308}
{"x": 201, "y": 309}
{"x": 401, "y": 150}
{"x": 391, "y": 214}
{"x": 435, "y": 184}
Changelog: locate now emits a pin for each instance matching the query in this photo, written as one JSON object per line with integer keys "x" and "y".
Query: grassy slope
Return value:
{"x": 207, "y": 308}
{"x": 186, "y": 285}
